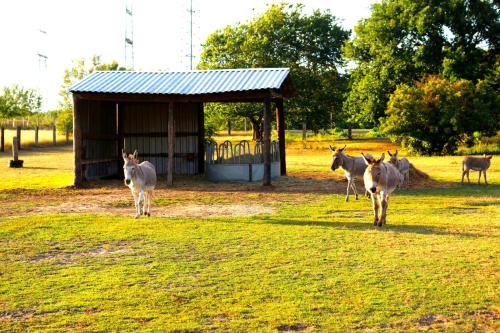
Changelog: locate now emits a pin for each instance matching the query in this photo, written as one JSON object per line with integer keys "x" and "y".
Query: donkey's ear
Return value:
{"x": 342, "y": 149}
{"x": 136, "y": 154}
{"x": 381, "y": 159}
{"x": 396, "y": 153}
{"x": 124, "y": 154}
{"x": 388, "y": 152}
{"x": 332, "y": 148}
{"x": 368, "y": 160}
{"x": 489, "y": 157}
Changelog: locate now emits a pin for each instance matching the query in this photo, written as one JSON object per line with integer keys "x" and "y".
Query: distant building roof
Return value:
{"x": 183, "y": 83}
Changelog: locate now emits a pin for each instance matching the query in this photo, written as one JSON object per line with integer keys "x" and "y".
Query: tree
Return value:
{"x": 310, "y": 45}
{"x": 17, "y": 101}
{"x": 79, "y": 71}
{"x": 436, "y": 115}
{"x": 405, "y": 40}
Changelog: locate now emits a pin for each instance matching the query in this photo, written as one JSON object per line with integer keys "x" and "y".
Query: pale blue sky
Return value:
{"x": 81, "y": 28}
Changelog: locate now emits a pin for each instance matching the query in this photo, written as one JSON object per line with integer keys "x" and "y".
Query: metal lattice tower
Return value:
{"x": 129, "y": 37}
{"x": 42, "y": 67}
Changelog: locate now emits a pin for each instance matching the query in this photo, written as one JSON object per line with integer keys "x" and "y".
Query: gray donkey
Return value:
{"x": 476, "y": 163}
{"x": 141, "y": 179}
{"x": 352, "y": 166}
{"x": 381, "y": 179}
{"x": 403, "y": 165}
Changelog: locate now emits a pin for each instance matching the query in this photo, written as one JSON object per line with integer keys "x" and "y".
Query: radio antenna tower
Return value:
{"x": 190, "y": 55}
{"x": 42, "y": 67}
{"x": 129, "y": 38}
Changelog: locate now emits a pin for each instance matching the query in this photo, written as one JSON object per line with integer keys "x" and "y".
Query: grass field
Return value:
{"x": 243, "y": 258}
{"x": 28, "y": 137}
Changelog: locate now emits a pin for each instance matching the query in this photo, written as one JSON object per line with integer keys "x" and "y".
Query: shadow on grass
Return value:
{"x": 361, "y": 226}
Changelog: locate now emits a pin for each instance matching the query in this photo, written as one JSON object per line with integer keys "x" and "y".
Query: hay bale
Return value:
{"x": 416, "y": 174}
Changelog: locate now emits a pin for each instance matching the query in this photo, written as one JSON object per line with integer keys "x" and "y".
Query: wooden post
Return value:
{"x": 201, "y": 138}
{"x": 54, "y": 138}
{"x": 67, "y": 135}
{"x": 36, "y": 135}
{"x": 120, "y": 123}
{"x": 266, "y": 181}
{"x": 15, "y": 145}
{"x": 2, "y": 139}
{"x": 77, "y": 142}
{"x": 280, "y": 123}
{"x": 170, "y": 136}
{"x": 18, "y": 134}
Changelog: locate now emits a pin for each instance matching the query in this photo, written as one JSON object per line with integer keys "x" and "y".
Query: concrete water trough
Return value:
{"x": 226, "y": 162}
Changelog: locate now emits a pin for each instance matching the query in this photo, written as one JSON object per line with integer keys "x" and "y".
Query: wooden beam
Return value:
{"x": 266, "y": 181}
{"x": 171, "y": 144}
{"x": 77, "y": 142}
{"x": 2, "y": 139}
{"x": 201, "y": 138}
{"x": 280, "y": 123}
{"x": 120, "y": 144}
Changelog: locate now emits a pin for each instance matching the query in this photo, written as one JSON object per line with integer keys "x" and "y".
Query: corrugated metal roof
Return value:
{"x": 183, "y": 83}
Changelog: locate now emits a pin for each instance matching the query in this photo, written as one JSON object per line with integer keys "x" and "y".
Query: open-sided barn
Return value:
{"x": 161, "y": 114}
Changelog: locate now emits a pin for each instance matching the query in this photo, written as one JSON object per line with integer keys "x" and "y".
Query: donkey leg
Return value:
{"x": 485, "y": 181}
{"x": 143, "y": 200}
{"x": 479, "y": 179}
{"x": 145, "y": 204}
{"x": 463, "y": 175}
{"x": 353, "y": 185}
{"x": 150, "y": 197}
{"x": 348, "y": 185}
{"x": 384, "y": 204}
{"x": 137, "y": 204}
{"x": 375, "y": 207}
{"x": 468, "y": 179}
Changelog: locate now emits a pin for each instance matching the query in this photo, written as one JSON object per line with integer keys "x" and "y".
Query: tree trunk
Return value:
{"x": 256, "y": 128}
{"x": 349, "y": 131}
{"x": 229, "y": 127}
{"x": 304, "y": 131}
{"x": 36, "y": 135}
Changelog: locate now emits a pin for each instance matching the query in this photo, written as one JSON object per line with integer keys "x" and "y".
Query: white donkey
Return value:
{"x": 403, "y": 165}
{"x": 141, "y": 179}
{"x": 352, "y": 166}
{"x": 381, "y": 179}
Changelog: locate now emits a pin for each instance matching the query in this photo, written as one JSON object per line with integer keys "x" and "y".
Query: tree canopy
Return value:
{"x": 283, "y": 36}
{"x": 404, "y": 40}
{"x": 17, "y": 101}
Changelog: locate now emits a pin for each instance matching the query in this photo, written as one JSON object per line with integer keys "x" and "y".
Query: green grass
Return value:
{"x": 316, "y": 264}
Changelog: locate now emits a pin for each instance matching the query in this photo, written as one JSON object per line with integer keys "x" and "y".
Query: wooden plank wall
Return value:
{"x": 98, "y": 121}
{"x": 145, "y": 129}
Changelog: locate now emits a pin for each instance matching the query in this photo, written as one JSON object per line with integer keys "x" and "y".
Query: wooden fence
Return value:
{"x": 19, "y": 133}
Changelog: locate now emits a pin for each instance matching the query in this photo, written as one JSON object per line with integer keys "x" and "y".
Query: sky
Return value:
{"x": 76, "y": 29}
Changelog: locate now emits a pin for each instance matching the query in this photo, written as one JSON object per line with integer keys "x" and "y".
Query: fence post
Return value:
{"x": 36, "y": 135}
{"x": 2, "y": 139}
{"x": 67, "y": 135}
{"x": 15, "y": 162}
{"x": 54, "y": 140}
{"x": 18, "y": 134}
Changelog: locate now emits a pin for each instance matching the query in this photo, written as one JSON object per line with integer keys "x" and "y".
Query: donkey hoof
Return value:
{"x": 380, "y": 224}
{"x": 375, "y": 223}
{"x": 356, "y": 197}
{"x": 346, "y": 199}
{"x": 137, "y": 216}
{"x": 149, "y": 214}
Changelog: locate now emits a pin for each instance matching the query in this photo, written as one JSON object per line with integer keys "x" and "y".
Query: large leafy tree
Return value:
{"x": 310, "y": 45}
{"x": 404, "y": 40}
{"x": 17, "y": 101}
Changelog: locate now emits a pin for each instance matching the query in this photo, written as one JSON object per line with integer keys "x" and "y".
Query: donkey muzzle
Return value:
{"x": 127, "y": 181}
{"x": 373, "y": 190}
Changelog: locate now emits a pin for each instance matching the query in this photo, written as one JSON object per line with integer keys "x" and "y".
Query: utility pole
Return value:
{"x": 42, "y": 67}
{"x": 129, "y": 37}
{"x": 191, "y": 11}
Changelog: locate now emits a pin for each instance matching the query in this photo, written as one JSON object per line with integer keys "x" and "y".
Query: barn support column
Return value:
{"x": 266, "y": 181}
{"x": 171, "y": 144}
{"x": 77, "y": 142}
{"x": 201, "y": 138}
{"x": 280, "y": 123}
{"x": 120, "y": 118}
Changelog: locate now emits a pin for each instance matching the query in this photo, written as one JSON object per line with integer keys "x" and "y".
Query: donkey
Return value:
{"x": 476, "y": 163}
{"x": 141, "y": 179}
{"x": 381, "y": 179}
{"x": 403, "y": 165}
{"x": 352, "y": 166}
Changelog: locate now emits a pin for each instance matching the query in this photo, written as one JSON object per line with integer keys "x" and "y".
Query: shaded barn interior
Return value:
{"x": 161, "y": 115}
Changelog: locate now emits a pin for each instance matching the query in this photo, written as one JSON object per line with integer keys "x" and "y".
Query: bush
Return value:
{"x": 435, "y": 116}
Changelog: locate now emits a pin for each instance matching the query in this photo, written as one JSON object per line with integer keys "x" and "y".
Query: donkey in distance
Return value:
{"x": 476, "y": 163}
{"x": 352, "y": 166}
{"x": 381, "y": 179}
{"x": 141, "y": 179}
{"x": 403, "y": 165}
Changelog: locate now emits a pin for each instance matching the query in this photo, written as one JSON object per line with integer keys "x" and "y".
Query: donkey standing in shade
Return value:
{"x": 352, "y": 166}
{"x": 141, "y": 179}
{"x": 403, "y": 165}
{"x": 381, "y": 179}
{"x": 476, "y": 163}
